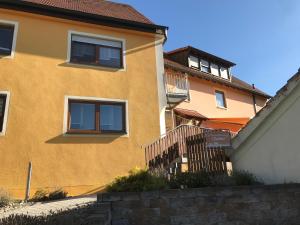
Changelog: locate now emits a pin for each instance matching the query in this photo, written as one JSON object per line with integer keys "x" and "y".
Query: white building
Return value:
{"x": 269, "y": 146}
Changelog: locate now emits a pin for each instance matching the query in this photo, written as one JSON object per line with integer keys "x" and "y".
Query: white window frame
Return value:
{"x": 224, "y": 98}
{"x": 85, "y": 98}
{"x": 4, "y": 127}
{"x": 203, "y": 65}
{"x": 190, "y": 61}
{"x": 90, "y": 35}
{"x": 14, "y": 42}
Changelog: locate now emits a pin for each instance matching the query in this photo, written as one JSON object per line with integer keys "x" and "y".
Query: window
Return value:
{"x": 6, "y": 39}
{"x": 3, "y": 98}
{"x": 95, "y": 117}
{"x": 95, "y": 51}
{"x": 205, "y": 66}
{"x": 214, "y": 69}
{"x": 220, "y": 98}
{"x": 224, "y": 73}
{"x": 194, "y": 62}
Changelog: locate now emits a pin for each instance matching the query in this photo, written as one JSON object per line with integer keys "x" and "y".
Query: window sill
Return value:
{"x": 91, "y": 66}
{"x": 98, "y": 135}
{"x": 2, "y": 56}
{"x": 220, "y": 107}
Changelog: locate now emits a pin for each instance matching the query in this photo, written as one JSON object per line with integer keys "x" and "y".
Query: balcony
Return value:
{"x": 177, "y": 88}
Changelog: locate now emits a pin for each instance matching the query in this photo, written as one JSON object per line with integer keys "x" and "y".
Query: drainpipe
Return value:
{"x": 27, "y": 194}
{"x": 254, "y": 101}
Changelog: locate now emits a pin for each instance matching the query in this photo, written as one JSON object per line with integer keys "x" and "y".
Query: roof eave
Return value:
{"x": 81, "y": 16}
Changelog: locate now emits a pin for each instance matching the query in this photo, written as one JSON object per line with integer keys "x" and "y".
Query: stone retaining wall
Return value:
{"x": 257, "y": 205}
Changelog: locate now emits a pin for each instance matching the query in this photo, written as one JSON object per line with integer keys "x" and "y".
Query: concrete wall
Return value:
{"x": 272, "y": 150}
{"x": 263, "y": 205}
{"x": 38, "y": 79}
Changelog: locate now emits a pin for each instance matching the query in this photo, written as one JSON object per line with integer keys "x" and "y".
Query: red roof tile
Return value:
{"x": 96, "y": 7}
{"x": 189, "y": 113}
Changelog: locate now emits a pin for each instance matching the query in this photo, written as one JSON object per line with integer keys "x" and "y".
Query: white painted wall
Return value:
{"x": 272, "y": 151}
{"x": 160, "y": 68}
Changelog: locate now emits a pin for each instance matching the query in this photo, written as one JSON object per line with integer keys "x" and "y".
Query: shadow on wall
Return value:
{"x": 63, "y": 139}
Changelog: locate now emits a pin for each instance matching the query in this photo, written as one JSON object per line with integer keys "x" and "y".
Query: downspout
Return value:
{"x": 254, "y": 101}
{"x": 162, "y": 98}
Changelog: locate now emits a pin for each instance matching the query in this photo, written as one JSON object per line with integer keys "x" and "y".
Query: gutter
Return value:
{"x": 82, "y": 16}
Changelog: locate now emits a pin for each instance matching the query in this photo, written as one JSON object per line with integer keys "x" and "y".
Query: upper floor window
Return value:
{"x": 194, "y": 62}
{"x": 6, "y": 39}
{"x": 95, "y": 117}
{"x": 224, "y": 73}
{"x": 205, "y": 66}
{"x": 96, "y": 51}
{"x": 220, "y": 98}
{"x": 215, "y": 69}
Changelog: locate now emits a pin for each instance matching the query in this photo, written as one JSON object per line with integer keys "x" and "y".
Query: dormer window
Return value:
{"x": 215, "y": 69}
{"x": 194, "y": 62}
{"x": 205, "y": 66}
{"x": 224, "y": 73}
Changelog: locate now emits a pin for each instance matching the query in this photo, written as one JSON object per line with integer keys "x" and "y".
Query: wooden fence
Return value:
{"x": 204, "y": 158}
{"x": 160, "y": 153}
{"x": 189, "y": 142}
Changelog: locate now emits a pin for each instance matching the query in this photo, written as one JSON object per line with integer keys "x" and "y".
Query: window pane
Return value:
{"x": 2, "y": 110}
{"x": 82, "y": 116}
{"x": 224, "y": 73}
{"x": 193, "y": 62}
{"x": 205, "y": 69}
{"x": 6, "y": 39}
{"x": 111, "y": 118}
{"x": 82, "y": 52}
{"x": 204, "y": 66}
{"x": 215, "y": 69}
{"x": 220, "y": 99}
{"x": 110, "y": 57}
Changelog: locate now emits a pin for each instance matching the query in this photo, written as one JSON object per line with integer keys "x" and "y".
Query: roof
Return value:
{"x": 100, "y": 10}
{"x": 271, "y": 105}
{"x": 234, "y": 82}
{"x": 189, "y": 113}
{"x": 202, "y": 53}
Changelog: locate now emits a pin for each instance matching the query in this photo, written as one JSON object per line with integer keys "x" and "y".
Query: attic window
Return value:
{"x": 224, "y": 73}
{"x": 194, "y": 62}
{"x": 215, "y": 69}
{"x": 205, "y": 66}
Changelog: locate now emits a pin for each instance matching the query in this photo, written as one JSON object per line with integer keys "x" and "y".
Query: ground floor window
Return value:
{"x": 95, "y": 117}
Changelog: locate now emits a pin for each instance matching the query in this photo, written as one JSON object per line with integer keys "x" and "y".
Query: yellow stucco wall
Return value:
{"x": 38, "y": 79}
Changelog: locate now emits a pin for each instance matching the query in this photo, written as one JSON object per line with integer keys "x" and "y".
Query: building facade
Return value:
{"x": 268, "y": 146}
{"x": 73, "y": 93}
{"x": 201, "y": 90}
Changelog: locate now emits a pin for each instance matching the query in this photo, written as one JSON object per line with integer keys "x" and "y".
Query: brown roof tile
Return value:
{"x": 96, "y": 7}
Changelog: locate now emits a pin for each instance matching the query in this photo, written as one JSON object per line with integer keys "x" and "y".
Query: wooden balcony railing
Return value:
{"x": 176, "y": 84}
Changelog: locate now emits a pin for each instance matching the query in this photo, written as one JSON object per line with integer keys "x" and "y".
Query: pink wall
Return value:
{"x": 202, "y": 92}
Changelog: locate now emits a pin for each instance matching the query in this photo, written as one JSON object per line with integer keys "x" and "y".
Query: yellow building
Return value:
{"x": 78, "y": 82}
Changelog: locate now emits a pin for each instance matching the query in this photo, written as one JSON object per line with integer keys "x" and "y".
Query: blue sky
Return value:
{"x": 261, "y": 36}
